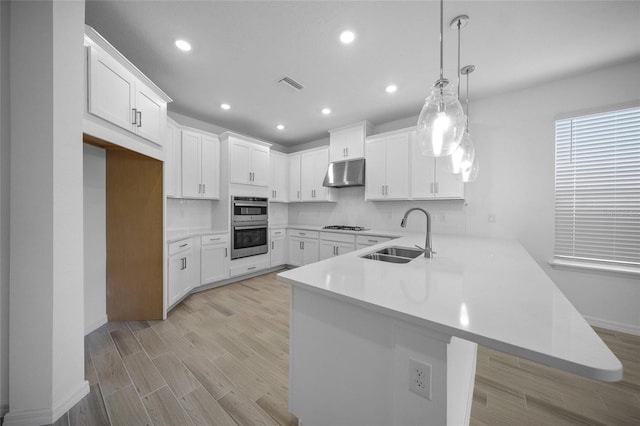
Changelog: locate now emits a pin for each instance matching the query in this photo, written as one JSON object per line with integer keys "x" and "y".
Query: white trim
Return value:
{"x": 47, "y": 415}
{"x": 597, "y": 110}
{"x": 612, "y": 325}
{"x": 4, "y": 408}
{"x": 88, "y": 328}
{"x": 96, "y": 38}
{"x": 597, "y": 267}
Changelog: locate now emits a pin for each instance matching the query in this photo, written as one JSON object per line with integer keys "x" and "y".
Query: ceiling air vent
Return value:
{"x": 288, "y": 81}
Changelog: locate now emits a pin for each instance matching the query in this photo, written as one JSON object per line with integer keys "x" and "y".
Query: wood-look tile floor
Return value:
{"x": 221, "y": 358}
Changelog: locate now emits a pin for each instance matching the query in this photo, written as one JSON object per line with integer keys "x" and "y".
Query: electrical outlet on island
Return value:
{"x": 420, "y": 378}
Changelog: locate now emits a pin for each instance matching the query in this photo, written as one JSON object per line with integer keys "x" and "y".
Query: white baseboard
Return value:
{"x": 88, "y": 328}
{"x": 4, "y": 408}
{"x": 612, "y": 325}
{"x": 47, "y": 415}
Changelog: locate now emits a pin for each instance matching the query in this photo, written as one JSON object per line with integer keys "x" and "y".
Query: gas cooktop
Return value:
{"x": 345, "y": 228}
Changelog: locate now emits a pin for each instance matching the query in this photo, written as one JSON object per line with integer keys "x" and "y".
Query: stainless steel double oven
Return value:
{"x": 249, "y": 226}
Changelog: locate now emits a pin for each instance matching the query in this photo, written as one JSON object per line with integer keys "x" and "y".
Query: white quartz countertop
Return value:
{"x": 483, "y": 290}
{"x": 370, "y": 232}
{"x": 180, "y": 234}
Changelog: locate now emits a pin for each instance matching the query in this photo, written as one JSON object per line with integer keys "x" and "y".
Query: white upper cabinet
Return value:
{"x": 294, "y": 178}
{"x": 279, "y": 164}
{"x": 200, "y": 159}
{"x": 151, "y": 113}
{"x": 387, "y": 167}
{"x": 347, "y": 142}
{"x": 248, "y": 162}
{"x": 172, "y": 162}
{"x": 313, "y": 165}
{"x": 118, "y": 93}
{"x": 431, "y": 178}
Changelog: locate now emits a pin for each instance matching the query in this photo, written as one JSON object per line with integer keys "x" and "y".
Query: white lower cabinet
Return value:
{"x": 278, "y": 248}
{"x": 334, "y": 244}
{"x": 303, "y": 247}
{"x": 181, "y": 270}
{"x": 214, "y": 256}
{"x": 249, "y": 265}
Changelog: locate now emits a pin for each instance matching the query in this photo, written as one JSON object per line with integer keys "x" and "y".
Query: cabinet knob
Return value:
{"x": 135, "y": 116}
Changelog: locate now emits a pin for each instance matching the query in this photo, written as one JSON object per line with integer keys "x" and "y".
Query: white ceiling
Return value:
{"x": 241, "y": 49}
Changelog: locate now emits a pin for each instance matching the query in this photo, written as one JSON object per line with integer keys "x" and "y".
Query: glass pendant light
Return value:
{"x": 468, "y": 162}
{"x": 441, "y": 121}
{"x": 463, "y": 156}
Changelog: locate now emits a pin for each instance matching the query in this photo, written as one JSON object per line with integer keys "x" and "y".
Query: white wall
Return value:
{"x": 46, "y": 348}
{"x": 514, "y": 137}
{"x": 4, "y": 207}
{"x": 95, "y": 237}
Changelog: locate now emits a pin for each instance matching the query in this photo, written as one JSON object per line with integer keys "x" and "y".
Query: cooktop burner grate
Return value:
{"x": 345, "y": 228}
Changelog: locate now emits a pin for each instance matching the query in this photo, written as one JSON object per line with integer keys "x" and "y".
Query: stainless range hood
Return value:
{"x": 342, "y": 174}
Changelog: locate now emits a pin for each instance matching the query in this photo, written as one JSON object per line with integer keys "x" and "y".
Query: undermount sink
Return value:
{"x": 394, "y": 254}
{"x": 401, "y": 252}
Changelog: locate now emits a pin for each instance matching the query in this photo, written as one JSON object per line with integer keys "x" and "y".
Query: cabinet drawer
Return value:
{"x": 206, "y": 240}
{"x": 371, "y": 240}
{"x": 248, "y": 268}
{"x": 303, "y": 233}
{"x": 277, "y": 233}
{"x": 335, "y": 236}
{"x": 178, "y": 246}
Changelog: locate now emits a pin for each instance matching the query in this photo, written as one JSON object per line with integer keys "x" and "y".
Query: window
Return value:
{"x": 598, "y": 191}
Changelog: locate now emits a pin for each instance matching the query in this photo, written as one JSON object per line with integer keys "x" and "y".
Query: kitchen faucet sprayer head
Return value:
{"x": 404, "y": 222}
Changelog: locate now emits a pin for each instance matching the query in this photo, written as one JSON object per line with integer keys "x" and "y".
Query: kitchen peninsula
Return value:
{"x": 380, "y": 343}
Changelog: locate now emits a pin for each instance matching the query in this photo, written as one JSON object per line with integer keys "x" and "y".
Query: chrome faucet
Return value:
{"x": 428, "y": 251}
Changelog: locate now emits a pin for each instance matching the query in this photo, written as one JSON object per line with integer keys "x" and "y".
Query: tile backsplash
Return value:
{"x": 189, "y": 214}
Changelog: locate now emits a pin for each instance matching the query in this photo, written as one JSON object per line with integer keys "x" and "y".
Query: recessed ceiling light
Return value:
{"x": 391, "y": 88}
{"x": 183, "y": 45}
{"x": 225, "y": 106}
{"x": 326, "y": 111}
{"x": 280, "y": 127}
{"x": 347, "y": 37}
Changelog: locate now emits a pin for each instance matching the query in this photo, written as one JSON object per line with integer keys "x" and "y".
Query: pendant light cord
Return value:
{"x": 441, "y": 39}
{"x": 467, "y": 103}
{"x": 459, "y": 26}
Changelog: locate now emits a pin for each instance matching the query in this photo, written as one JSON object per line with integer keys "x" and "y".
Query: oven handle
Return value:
{"x": 242, "y": 228}
{"x": 257, "y": 204}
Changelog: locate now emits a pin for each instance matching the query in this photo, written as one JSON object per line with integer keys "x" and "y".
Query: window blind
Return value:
{"x": 597, "y": 200}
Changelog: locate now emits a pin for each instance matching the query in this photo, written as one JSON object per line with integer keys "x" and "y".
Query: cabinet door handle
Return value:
{"x": 437, "y": 187}
{"x": 225, "y": 252}
{"x": 432, "y": 187}
{"x": 386, "y": 190}
{"x": 135, "y": 116}
{"x": 275, "y": 193}
{"x": 302, "y": 245}
{"x": 271, "y": 245}
{"x": 204, "y": 188}
{"x": 251, "y": 268}
{"x": 184, "y": 245}
{"x": 214, "y": 239}
{"x": 298, "y": 195}
{"x": 185, "y": 263}
{"x": 347, "y": 149}
{"x": 139, "y": 114}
